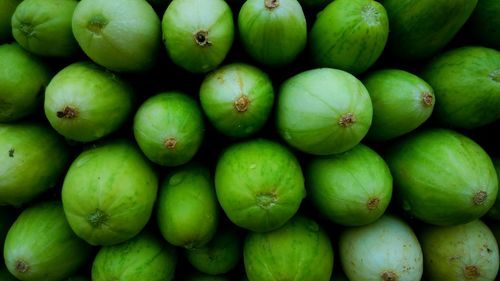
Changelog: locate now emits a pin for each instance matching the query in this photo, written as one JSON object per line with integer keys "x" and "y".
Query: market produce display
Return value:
{"x": 249, "y": 140}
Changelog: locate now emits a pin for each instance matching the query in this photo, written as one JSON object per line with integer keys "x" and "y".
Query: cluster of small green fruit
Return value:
{"x": 249, "y": 140}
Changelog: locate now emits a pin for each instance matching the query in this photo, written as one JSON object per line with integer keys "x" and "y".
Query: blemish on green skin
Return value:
{"x": 21, "y": 266}
{"x": 271, "y": 4}
{"x": 370, "y": 15}
{"x": 97, "y": 24}
{"x": 495, "y": 75}
{"x": 11, "y": 152}
{"x": 97, "y": 218}
{"x": 266, "y": 200}
{"x": 27, "y": 29}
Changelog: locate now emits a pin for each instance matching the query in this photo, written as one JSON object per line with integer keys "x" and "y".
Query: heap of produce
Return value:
{"x": 249, "y": 140}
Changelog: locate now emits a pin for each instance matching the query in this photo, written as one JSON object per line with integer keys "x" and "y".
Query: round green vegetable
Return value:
{"x": 323, "y": 111}
{"x": 272, "y": 32}
{"x": 401, "y": 102}
{"x": 43, "y": 27}
{"x": 385, "y": 250}
{"x": 259, "y": 184}
{"x": 187, "y": 207}
{"x": 466, "y": 82}
{"x": 198, "y": 34}
{"x": 121, "y": 35}
{"x": 85, "y": 102}
{"x": 442, "y": 177}
{"x": 420, "y": 29}
{"x": 237, "y": 99}
{"x": 143, "y": 257}
{"x": 299, "y": 250}
{"x": 24, "y": 78}
{"x": 219, "y": 255}
{"x": 459, "y": 252}
{"x": 109, "y": 192}
{"x": 34, "y": 158}
{"x": 350, "y": 188}
{"x": 169, "y": 128}
{"x": 40, "y": 245}
{"x": 349, "y": 35}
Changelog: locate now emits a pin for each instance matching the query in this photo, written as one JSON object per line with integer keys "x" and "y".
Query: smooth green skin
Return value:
{"x": 34, "y": 158}
{"x": 420, "y": 29}
{"x": 438, "y": 173}
{"x": 349, "y": 35}
{"x": 7, "y": 8}
{"x": 401, "y": 101}
{"x": 311, "y": 104}
{"x": 121, "y": 35}
{"x": 115, "y": 180}
{"x": 183, "y": 19}
{"x": 449, "y": 250}
{"x": 466, "y": 83}
{"x": 42, "y": 239}
{"x": 494, "y": 212}
{"x": 143, "y": 257}
{"x": 387, "y": 245}
{"x": 484, "y": 23}
{"x": 259, "y": 184}
{"x": 344, "y": 187}
{"x": 219, "y": 255}
{"x": 300, "y": 250}
{"x": 43, "y": 27}
{"x": 187, "y": 209}
{"x": 23, "y": 77}
{"x": 272, "y": 36}
{"x": 169, "y": 115}
{"x": 221, "y": 90}
{"x": 103, "y": 101}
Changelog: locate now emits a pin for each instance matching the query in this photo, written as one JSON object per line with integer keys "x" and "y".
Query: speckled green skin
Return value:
{"x": 349, "y": 35}
{"x": 350, "y": 188}
{"x": 237, "y": 99}
{"x": 420, "y": 29}
{"x": 387, "y": 247}
{"x": 40, "y": 245}
{"x": 183, "y": 19}
{"x": 459, "y": 252}
{"x": 300, "y": 250}
{"x": 102, "y": 101}
{"x": 259, "y": 184}
{"x": 169, "y": 128}
{"x": 401, "y": 101}
{"x": 23, "y": 77}
{"x": 272, "y": 35}
{"x": 466, "y": 83}
{"x": 43, "y": 27}
{"x": 144, "y": 257}
{"x": 109, "y": 192}
{"x": 34, "y": 159}
{"x": 442, "y": 177}
{"x": 187, "y": 210}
